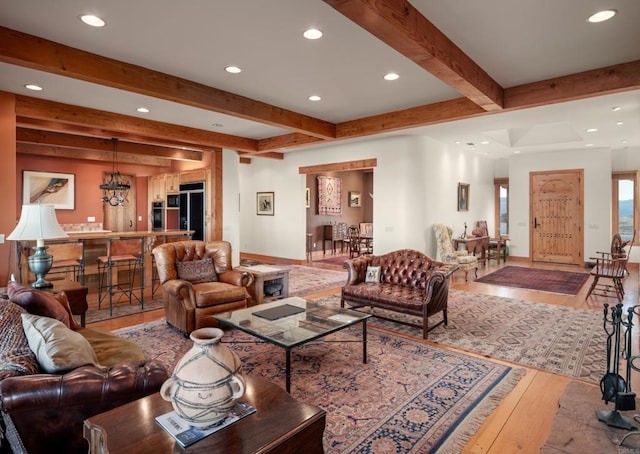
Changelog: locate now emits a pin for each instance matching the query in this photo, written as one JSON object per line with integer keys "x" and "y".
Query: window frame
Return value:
{"x": 498, "y": 183}
{"x": 615, "y": 178}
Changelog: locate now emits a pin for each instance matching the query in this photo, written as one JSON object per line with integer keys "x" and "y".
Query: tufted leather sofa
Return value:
{"x": 410, "y": 283}
{"x": 45, "y": 412}
{"x": 190, "y": 304}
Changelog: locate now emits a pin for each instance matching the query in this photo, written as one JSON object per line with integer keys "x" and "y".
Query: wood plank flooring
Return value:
{"x": 523, "y": 420}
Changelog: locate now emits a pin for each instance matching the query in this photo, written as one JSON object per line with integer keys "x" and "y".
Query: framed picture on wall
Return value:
{"x": 264, "y": 203}
{"x": 354, "y": 199}
{"x": 57, "y": 189}
{"x": 463, "y": 197}
{"x": 307, "y": 198}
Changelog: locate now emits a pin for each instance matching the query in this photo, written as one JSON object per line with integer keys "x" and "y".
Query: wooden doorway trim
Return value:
{"x": 556, "y": 214}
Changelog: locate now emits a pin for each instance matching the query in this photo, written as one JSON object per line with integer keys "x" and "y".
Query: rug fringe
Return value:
{"x": 460, "y": 437}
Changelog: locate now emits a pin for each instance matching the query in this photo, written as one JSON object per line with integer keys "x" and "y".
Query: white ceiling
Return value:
{"x": 514, "y": 42}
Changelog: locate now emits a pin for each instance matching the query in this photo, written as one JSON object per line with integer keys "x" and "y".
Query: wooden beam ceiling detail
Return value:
{"x": 70, "y": 141}
{"x": 48, "y": 110}
{"x": 339, "y": 166}
{"x": 30, "y": 51}
{"x": 90, "y": 155}
{"x": 401, "y": 26}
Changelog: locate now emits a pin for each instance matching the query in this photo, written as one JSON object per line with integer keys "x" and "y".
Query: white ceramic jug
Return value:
{"x": 206, "y": 382}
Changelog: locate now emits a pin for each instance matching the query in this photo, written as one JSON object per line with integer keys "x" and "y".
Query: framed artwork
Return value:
{"x": 57, "y": 189}
{"x": 463, "y": 197}
{"x": 264, "y": 203}
{"x": 354, "y": 199}
{"x": 307, "y": 198}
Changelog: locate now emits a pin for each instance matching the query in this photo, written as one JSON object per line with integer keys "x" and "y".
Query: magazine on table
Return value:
{"x": 187, "y": 435}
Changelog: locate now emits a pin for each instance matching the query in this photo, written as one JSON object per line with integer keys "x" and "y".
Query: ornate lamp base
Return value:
{"x": 40, "y": 264}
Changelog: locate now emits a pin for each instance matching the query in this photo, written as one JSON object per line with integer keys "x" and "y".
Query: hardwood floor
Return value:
{"x": 523, "y": 420}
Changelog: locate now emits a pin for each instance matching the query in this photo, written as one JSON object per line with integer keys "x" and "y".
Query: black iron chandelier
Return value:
{"x": 115, "y": 191}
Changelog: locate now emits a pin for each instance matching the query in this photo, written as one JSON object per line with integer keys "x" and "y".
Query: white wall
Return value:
{"x": 230, "y": 203}
{"x": 414, "y": 184}
{"x": 597, "y": 196}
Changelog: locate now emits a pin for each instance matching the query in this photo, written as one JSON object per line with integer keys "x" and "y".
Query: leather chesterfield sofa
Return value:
{"x": 404, "y": 281}
{"x": 44, "y": 411}
{"x": 197, "y": 281}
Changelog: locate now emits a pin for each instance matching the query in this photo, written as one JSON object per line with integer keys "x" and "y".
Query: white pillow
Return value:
{"x": 58, "y": 348}
{"x": 373, "y": 274}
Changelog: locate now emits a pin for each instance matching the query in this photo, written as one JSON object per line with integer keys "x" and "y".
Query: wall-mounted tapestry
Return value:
{"x": 329, "y": 196}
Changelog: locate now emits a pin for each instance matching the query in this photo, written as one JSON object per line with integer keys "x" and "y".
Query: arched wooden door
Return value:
{"x": 557, "y": 217}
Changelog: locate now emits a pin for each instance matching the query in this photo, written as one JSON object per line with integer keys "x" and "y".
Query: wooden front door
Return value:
{"x": 121, "y": 218}
{"x": 557, "y": 217}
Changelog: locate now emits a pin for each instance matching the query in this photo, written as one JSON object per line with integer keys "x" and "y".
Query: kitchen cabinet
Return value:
{"x": 172, "y": 183}
{"x": 157, "y": 191}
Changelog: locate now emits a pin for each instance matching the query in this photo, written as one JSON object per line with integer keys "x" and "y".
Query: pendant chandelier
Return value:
{"x": 115, "y": 191}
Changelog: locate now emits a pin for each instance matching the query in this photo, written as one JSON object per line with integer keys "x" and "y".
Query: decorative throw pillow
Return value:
{"x": 197, "y": 271}
{"x": 16, "y": 358}
{"x": 373, "y": 274}
{"x": 57, "y": 348}
{"x": 40, "y": 302}
{"x": 111, "y": 349}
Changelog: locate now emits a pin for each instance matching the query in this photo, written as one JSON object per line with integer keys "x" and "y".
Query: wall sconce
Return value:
{"x": 39, "y": 223}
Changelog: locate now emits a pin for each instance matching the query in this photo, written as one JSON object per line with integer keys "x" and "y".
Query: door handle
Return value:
{"x": 535, "y": 223}
{"x": 130, "y": 223}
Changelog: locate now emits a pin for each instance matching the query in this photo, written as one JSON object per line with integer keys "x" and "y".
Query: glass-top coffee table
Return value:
{"x": 291, "y": 322}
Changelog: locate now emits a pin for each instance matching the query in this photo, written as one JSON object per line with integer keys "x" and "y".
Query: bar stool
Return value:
{"x": 122, "y": 254}
{"x": 68, "y": 258}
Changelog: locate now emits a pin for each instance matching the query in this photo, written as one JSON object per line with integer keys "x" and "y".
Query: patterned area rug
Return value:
{"x": 555, "y": 281}
{"x": 304, "y": 280}
{"x": 409, "y": 397}
{"x": 558, "y": 339}
{"x": 334, "y": 260}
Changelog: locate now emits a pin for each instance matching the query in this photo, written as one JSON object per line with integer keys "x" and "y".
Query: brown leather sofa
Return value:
{"x": 192, "y": 294}
{"x": 408, "y": 282}
{"x": 45, "y": 412}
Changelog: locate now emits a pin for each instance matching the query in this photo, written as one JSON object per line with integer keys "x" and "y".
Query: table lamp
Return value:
{"x": 38, "y": 222}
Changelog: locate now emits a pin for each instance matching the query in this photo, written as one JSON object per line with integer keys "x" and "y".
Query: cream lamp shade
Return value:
{"x": 39, "y": 223}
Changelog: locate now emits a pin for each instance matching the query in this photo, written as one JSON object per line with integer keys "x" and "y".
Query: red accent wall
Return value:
{"x": 8, "y": 186}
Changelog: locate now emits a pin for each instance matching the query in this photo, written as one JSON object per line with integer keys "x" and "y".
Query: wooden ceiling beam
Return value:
{"x": 30, "y": 51}
{"x": 57, "y": 139}
{"x": 90, "y": 155}
{"x": 92, "y": 118}
{"x": 401, "y": 26}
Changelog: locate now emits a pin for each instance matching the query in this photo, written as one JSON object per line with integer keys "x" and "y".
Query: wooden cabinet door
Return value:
{"x": 172, "y": 183}
{"x": 557, "y": 217}
{"x": 122, "y": 218}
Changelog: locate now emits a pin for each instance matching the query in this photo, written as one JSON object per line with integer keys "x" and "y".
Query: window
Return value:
{"x": 624, "y": 209}
{"x": 502, "y": 206}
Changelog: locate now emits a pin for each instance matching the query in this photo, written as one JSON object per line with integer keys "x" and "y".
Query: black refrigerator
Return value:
{"x": 192, "y": 208}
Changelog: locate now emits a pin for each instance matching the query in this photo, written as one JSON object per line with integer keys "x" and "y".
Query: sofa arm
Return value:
{"x": 46, "y": 412}
{"x": 179, "y": 291}
{"x": 357, "y": 269}
{"x": 235, "y": 277}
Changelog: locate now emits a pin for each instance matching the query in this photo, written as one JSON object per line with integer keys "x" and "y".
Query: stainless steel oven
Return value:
{"x": 157, "y": 216}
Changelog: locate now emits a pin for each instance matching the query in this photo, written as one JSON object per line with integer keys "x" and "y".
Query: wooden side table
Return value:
{"x": 281, "y": 424}
{"x": 262, "y": 275}
{"x": 76, "y": 294}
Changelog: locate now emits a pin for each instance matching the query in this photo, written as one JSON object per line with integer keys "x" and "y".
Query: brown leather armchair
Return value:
{"x": 190, "y": 299}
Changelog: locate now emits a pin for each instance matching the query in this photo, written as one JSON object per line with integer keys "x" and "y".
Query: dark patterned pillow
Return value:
{"x": 197, "y": 271}
{"x": 16, "y": 358}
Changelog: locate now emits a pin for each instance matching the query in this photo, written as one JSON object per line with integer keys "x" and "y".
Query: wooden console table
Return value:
{"x": 281, "y": 424}
{"x": 476, "y": 245}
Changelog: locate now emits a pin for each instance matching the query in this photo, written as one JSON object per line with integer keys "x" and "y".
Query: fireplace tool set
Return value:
{"x": 614, "y": 387}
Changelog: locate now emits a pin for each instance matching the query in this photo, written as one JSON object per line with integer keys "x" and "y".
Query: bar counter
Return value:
{"x": 95, "y": 245}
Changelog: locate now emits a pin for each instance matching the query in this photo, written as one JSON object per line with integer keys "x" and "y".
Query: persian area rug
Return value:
{"x": 558, "y": 339}
{"x": 556, "y": 281}
{"x": 304, "y": 280}
{"x": 409, "y": 397}
{"x": 334, "y": 260}
{"x": 577, "y": 429}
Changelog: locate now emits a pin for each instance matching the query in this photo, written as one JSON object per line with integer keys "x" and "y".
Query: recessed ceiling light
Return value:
{"x": 516, "y": 152}
{"x": 33, "y": 87}
{"x": 232, "y": 69}
{"x": 312, "y": 33}
{"x": 485, "y": 142}
{"x": 602, "y": 16}
{"x": 458, "y": 142}
{"x": 616, "y": 109}
{"x": 217, "y": 125}
{"x": 589, "y": 145}
{"x": 92, "y": 20}
{"x": 143, "y": 109}
{"x": 391, "y": 76}
{"x": 592, "y": 129}
{"x": 619, "y": 123}
{"x": 314, "y": 98}
{"x": 624, "y": 141}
